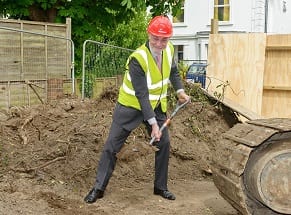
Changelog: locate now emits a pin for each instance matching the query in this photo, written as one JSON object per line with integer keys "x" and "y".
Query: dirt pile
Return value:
{"x": 49, "y": 154}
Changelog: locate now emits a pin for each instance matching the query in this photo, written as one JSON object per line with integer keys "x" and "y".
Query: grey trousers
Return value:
{"x": 124, "y": 121}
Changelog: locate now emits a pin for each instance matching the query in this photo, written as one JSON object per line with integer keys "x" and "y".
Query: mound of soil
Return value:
{"x": 49, "y": 154}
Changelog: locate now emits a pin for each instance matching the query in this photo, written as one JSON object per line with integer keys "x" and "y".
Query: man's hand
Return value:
{"x": 156, "y": 132}
{"x": 183, "y": 97}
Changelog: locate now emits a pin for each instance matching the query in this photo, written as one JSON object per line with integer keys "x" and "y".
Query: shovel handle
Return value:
{"x": 167, "y": 122}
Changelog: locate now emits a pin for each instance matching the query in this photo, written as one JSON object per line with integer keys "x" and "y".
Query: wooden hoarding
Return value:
{"x": 236, "y": 68}
{"x": 253, "y": 70}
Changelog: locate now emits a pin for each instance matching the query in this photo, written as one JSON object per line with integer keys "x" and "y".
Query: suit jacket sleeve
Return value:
{"x": 175, "y": 78}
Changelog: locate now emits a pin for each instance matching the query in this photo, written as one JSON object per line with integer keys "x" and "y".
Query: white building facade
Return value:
{"x": 192, "y": 28}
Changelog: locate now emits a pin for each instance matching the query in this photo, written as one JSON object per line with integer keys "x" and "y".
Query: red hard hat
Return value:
{"x": 160, "y": 26}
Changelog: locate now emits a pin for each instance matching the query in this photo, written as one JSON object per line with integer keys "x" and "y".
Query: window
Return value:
{"x": 179, "y": 53}
{"x": 221, "y": 10}
{"x": 180, "y": 15}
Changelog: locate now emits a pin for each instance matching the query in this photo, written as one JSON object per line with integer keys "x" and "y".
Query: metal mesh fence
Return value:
{"x": 103, "y": 66}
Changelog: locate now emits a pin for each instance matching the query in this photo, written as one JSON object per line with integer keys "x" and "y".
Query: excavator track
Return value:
{"x": 252, "y": 167}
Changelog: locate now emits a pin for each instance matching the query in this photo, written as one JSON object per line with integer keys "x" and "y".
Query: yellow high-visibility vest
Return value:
{"x": 157, "y": 83}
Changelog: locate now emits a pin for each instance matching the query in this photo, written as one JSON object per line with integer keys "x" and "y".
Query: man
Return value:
{"x": 143, "y": 99}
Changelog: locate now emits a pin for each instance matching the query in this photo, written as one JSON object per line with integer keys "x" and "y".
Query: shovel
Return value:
{"x": 167, "y": 122}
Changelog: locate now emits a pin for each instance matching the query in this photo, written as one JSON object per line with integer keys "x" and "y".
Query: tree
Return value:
{"x": 89, "y": 18}
{"x": 56, "y": 10}
{"x": 120, "y": 23}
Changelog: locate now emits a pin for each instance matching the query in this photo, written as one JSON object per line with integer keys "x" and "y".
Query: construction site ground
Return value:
{"x": 49, "y": 154}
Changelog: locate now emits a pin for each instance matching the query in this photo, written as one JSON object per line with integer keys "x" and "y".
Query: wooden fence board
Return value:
{"x": 276, "y": 104}
{"x": 277, "y": 77}
{"x": 27, "y": 56}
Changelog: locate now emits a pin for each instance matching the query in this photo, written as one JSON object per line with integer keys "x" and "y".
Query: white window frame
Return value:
{"x": 211, "y": 13}
{"x": 178, "y": 52}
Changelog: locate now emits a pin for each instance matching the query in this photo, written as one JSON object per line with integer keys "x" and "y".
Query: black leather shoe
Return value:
{"x": 93, "y": 195}
{"x": 165, "y": 194}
